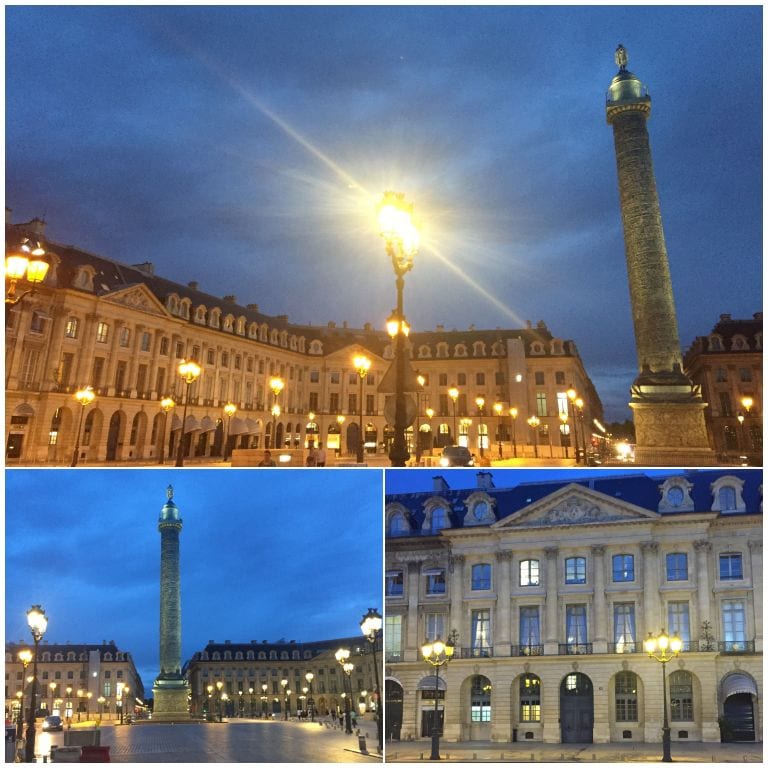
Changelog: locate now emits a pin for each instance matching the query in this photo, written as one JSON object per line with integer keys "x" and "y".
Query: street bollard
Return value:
{"x": 361, "y": 743}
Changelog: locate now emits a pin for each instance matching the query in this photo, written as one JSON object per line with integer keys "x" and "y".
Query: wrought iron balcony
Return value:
{"x": 475, "y": 653}
{"x": 574, "y": 649}
{"x": 625, "y": 647}
{"x": 736, "y": 646}
{"x": 393, "y": 656}
{"x": 527, "y": 650}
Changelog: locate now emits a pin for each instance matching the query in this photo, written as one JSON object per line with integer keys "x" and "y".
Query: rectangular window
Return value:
{"x": 314, "y": 377}
{"x": 481, "y": 576}
{"x": 562, "y": 403}
{"x": 529, "y": 573}
{"x": 677, "y": 566}
{"x": 538, "y": 378}
{"x": 480, "y": 379}
{"x": 734, "y": 624}
{"x": 500, "y": 378}
{"x": 435, "y": 626}
{"x": 393, "y": 638}
{"x": 70, "y": 330}
{"x": 725, "y": 404}
{"x": 679, "y": 621}
{"x": 530, "y": 628}
{"x": 462, "y": 379}
{"x": 530, "y": 699}
{"x": 442, "y": 379}
{"x": 481, "y": 632}
{"x": 164, "y": 344}
{"x": 98, "y": 368}
{"x": 352, "y": 404}
{"x": 102, "y": 333}
{"x": 576, "y": 570}
{"x": 369, "y": 404}
{"x": 576, "y": 624}
{"x": 623, "y": 568}
{"x": 745, "y": 374}
{"x": 67, "y": 363}
{"x": 394, "y": 583}
{"x": 443, "y": 408}
{"x": 146, "y": 340}
{"x": 314, "y": 400}
{"x": 333, "y": 405}
{"x": 125, "y": 337}
{"x": 335, "y": 377}
{"x": 624, "y": 627}
{"x": 179, "y": 349}
{"x": 120, "y": 375}
{"x": 160, "y": 381}
{"x": 36, "y": 323}
{"x": 435, "y": 582}
{"x": 560, "y": 377}
{"x": 730, "y": 567}
{"x": 141, "y": 378}
{"x": 541, "y": 403}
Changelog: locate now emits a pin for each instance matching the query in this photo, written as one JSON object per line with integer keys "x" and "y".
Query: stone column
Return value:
{"x": 703, "y": 548}
{"x": 112, "y": 357}
{"x": 756, "y": 561}
{"x": 84, "y": 367}
{"x": 53, "y": 357}
{"x": 414, "y": 634}
{"x": 13, "y": 361}
{"x": 502, "y": 629}
{"x": 599, "y": 632}
{"x": 653, "y": 620}
{"x": 551, "y": 629}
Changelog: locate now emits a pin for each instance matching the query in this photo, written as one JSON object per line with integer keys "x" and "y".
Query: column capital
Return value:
{"x": 504, "y": 556}
{"x": 551, "y": 552}
{"x": 649, "y": 547}
{"x": 598, "y": 549}
{"x": 702, "y": 545}
{"x": 755, "y": 544}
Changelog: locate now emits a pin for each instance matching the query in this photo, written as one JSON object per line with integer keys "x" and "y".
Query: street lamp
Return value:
{"x": 224, "y": 700}
{"x": 219, "y": 686}
{"x": 480, "y": 403}
{"x": 342, "y": 656}
{"x": 250, "y": 700}
{"x": 126, "y": 691}
{"x": 497, "y": 409}
{"x": 571, "y": 394}
{"x": 79, "y": 703}
{"x": 264, "y": 701}
{"x": 564, "y": 419}
{"x": 24, "y": 656}
{"x": 437, "y": 654}
{"x": 533, "y": 423}
{"x": 88, "y": 697}
{"x": 276, "y": 384}
{"x": 370, "y": 626}
{"x": 68, "y": 706}
{"x": 29, "y": 260}
{"x": 284, "y": 684}
{"x": 453, "y": 393}
{"x": 101, "y": 701}
{"x": 310, "y": 701}
{"x": 85, "y": 397}
{"x": 340, "y": 419}
{"x": 362, "y": 366}
{"x": 430, "y": 413}
{"x": 664, "y": 648}
{"x": 189, "y": 370}
{"x": 38, "y": 623}
{"x": 166, "y": 405}
{"x": 303, "y": 697}
{"x": 209, "y": 688}
{"x": 421, "y": 380}
{"x": 230, "y": 409}
{"x": 513, "y": 413}
{"x": 579, "y": 403}
{"x": 402, "y": 242}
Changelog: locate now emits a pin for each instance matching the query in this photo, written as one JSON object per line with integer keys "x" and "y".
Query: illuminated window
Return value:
{"x": 626, "y": 697}
{"x": 481, "y": 699}
{"x": 70, "y": 330}
{"x": 529, "y": 573}
{"x": 530, "y": 699}
{"x": 681, "y": 695}
{"x": 102, "y": 333}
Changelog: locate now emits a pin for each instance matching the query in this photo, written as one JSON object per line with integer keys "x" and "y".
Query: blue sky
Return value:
{"x": 246, "y": 147}
{"x": 265, "y": 555}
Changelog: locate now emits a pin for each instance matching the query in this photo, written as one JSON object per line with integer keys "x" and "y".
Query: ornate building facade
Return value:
{"x": 548, "y": 590}
{"x": 246, "y": 679}
{"x": 122, "y": 331}
{"x": 74, "y": 680}
{"x": 728, "y": 366}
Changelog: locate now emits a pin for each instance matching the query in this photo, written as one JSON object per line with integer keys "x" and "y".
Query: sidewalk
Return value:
{"x": 497, "y": 752}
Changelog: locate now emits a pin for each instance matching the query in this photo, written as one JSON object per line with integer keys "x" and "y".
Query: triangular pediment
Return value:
{"x": 575, "y": 505}
{"x": 137, "y": 297}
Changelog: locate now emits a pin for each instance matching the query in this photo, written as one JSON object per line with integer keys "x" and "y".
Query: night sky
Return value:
{"x": 245, "y": 148}
{"x": 265, "y": 555}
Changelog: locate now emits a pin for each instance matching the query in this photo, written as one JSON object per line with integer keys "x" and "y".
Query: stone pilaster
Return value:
{"x": 456, "y": 620}
{"x": 756, "y": 561}
{"x": 703, "y": 548}
{"x": 654, "y": 621}
{"x": 413, "y": 639}
{"x": 503, "y": 626}
{"x": 600, "y": 630}
{"x": 550, "y": 608}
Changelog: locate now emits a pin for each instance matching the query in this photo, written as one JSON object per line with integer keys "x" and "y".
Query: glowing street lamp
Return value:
{"x": 38, "y": 623}
{"x": 276, "y": 384}
{"x": 571, "y": 394}
{"x": 402, "y": 243}
{"x": 437, "y": 654}
{"x": 189, "y": 370}
{"x": 513, "y": 413}
{"x": 362, "y": 366}
{"x": 453, "y": 393}
{"x": 579, "y": 403}
{"x": 85, "y": 397}
{"x": 370, "y": 626}
{"x": 563, "y": 431}
{"x": 533, "y": 423}
{"x": 30, "y": 260}
{"x": 340, "y": 419}
{"x": 166, "y": 406}
{"x": 284, "y": 684}
{"x": 342, "y": 656}
{"x": 24, "y": 656}
{"x": 664, "y": 648}
{"x": 219, "y": 697}
{"x": 230, "y": 409}
{"x": 310, "y": 701}
{"x": 497, "y": 409}
{"x": 264, "y": 701}
{"x": 101, "y": 701}
{"x": 480, "y": 403}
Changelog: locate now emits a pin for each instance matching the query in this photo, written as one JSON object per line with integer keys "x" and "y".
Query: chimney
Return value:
{"x": 192, "y": 284}
{"x": 37, "y": 226}
{"x": 440, "y": 328}
{"x": 146, "y": 268}
{"x": 252, "y": 307}
{"x": 485, "y": 480}
{"x": 724, "y": 318}
{"x": 331, "y": 324}
{"x": 230, "y": 298}
{"x": 439, "y": 485}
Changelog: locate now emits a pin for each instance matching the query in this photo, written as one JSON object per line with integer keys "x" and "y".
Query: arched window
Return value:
{"x": 249, "y": 656}
{"x": 727, "y": 498}
{"x": 530, "y": 699}
{"x": 481, "y": 699}
{"x": 438, "y": 519}
{"x": 398, "y": 525}
{"x": 681, "y": 695}
{"x": 478, "y": 349}
{"x": 626, "y": 697}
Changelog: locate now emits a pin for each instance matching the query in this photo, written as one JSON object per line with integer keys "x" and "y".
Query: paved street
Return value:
{"x": 413, "y": 752}
{"x": 252, "y": 741}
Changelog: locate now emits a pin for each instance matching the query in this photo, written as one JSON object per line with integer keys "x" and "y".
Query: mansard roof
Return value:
{"x": 76, "y": 648}
{"x": 726, "y": 329}
{"x": 315, "y": 647}
{"x": 640, "y": 490}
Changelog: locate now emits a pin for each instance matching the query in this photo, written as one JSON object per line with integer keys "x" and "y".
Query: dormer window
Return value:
{"x": 398, "y": 524}
{"x": 184, "y": 308}
{"x": 200, "y": 313}
{"x": 715, "y": 343}
{"x": 676, "y": 495}
{"x": 274, "y": 337}
{"x": 727, "y": 495}
{"x": 283, "y": 339}
{"x": 537, "y": 348}
{"x": 263, "y": 332}
{"x": 442, "y": 349}
{"x": 241, "y": 326}
{"x": 557, "y": 347}
{"x": 460, "y": 350}
{"x": 253, "y": 330}
{"x": 424, "y": 351}
{"x": 739, "y": 343}
{"x": 436, "y": 519}
{"x": 315, "y": 347}
{"x": 172, "y": 303}
{"x": 84, "y": 278}
{"x": 229, "y": 322}
{"x": 497, "y": 350}
{"x": 214, "y": 318}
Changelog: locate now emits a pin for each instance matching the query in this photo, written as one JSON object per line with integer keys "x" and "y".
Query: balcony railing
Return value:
{"x": 574, "y": 649}
{"x": 393, "y": 656}
{"x": 736, "y": 646}
{"x": 475, "y": 653}
{"x": 625, "y": 647}
{"x": 527, "y": 650}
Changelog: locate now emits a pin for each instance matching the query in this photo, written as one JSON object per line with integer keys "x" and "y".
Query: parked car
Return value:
{"x": 456, "y": 456}
{"x": 53, "y": 723}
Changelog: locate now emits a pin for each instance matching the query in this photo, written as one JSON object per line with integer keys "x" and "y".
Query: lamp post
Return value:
{"x": 79, "y": 703}
{"x": 340, "y": 419}
{"x": 437, "y": 654}
{"x": 85, "y": 397}
{"x": 370, "y": 626}
{"x": 571, "y": 394}
{"x": 28, "y": 259}
{"x": 126, "y": 699}
{"x": 38, "y": 623}
{"x": 240, "y": 704}
{"x": 513, "y": 413}
{"x": 230, "y": 409}
{"x": 264, "y": 701}
{"x": 310, "y": 701}
{"x": 219, "y": 686}
{"x": 224, "y": 700}
{"x": 276, "y": 384}
{"x": 209, "y": 713}
{"x": 189, "y": 370}
{"x": 166, "y": 405}
{"x": 24, "y": 656}
{"x": 342, "y": 656}
{"x": 430, "y": 413}
{"x": 664, "y": 648}
{"x": 101, "y": 701}
{"x": 497, "y": 409}
{"x": 534, "y": 422}
{"x": 88, "y": 697}
{"x": 284, "y": 684}
{"x": 579, "y": 403}
{"x": 564, "y": 421}
{"x": 52, "y": 686}
{"x": 68, "y": 706}
{"x": 747, "y": 402}
{"x": 303, "y": 698}
{"x": 362, "y": 366}
{"x": 453, "y": 393}
{"x": 480, "y": 403}
{"x": 421, "y": 380}
{"x": 250, "y": 701}
{"x": 402, "y": 242}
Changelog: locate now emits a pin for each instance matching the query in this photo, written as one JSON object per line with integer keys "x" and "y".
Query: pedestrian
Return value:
{"x": 267, "y": 461}
{"x": 333, "y": 717}
{"x": 321, "y": 455}
{"x": 312, "y": 456}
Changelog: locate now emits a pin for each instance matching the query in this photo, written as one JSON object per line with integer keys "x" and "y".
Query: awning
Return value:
{"x": 207, "y": 424}
{"x": 238, "y": 426}
{"x": 175, "y": 423}
{"x": 191, "y": 424}
{"x": 254, "y": 427}
{"x": 738, "y": 683}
